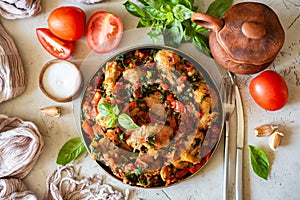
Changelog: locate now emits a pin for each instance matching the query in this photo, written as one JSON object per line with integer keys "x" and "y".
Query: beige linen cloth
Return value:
{"x": 15, "y": 9}
{"x": 20, "y": 146}
{"x": 12, "y": 76}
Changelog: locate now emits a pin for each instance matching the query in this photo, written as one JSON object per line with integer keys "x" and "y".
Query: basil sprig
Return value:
{"x": 170, "y": 20}
{"x": 70, "y": 151}
{"x": 259, "y": 162}
{"x": 113, "y": 113}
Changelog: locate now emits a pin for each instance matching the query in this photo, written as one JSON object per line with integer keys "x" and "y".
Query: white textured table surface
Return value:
{"x": 283, "y": 181}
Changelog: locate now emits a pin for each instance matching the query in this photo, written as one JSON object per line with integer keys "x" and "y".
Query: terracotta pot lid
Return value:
{"x": 252, "y": 33}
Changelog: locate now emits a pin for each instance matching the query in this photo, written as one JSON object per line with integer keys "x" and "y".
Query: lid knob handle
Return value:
{"x": 253, "y": 30}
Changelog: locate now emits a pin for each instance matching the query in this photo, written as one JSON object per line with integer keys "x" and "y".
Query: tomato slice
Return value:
{"x": 104, "y": 32}
{"x": 55, "y": 46}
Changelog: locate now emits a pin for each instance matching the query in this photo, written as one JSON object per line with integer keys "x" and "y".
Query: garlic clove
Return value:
{"x": 275, "y": 140}
{"x": 52, "y": 111}
{"x": 265, "y": 130}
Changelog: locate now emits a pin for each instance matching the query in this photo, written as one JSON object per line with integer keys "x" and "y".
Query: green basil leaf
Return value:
{"x": 111, "y": 121}
{"x": 156, "y": 35}
{"x": 155, "y": 3}
{"x": 187, "y": 3}
{"x": 126, "y": 122}
{"x": 173, "y": 35}
{"x": 182, "y": 13}
{"x": 169, "y": 20}
{"x": 70, "y": 151}
{"x": 201, "y": 43}
{"x": 259, "y": 162}
{"x": 198, "y": 28}
{"x": 144, "y": 23}
{"x": 219, "y": 7}
{"x": 143, "y": 2}
{"x": 105, "y": 109}
{"x": 134, "y": 9}
{"x": 116, "y": 110}
{"x": 155, "y": 14}
{"x": 122, "y": 136}
{"x": 188, "y": 31}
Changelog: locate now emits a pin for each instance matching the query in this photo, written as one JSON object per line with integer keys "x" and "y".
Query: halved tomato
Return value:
{"x": 104, "y": 31}
{"x": 55, "y": 46}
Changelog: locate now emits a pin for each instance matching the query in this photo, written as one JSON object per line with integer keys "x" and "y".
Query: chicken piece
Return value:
{"x": 112, "y": 72}
{"x": 201, "y": 92}
{"x": 167, "y": 58}
{"x": 206, "y": 117}
{"x": 133, "y": 75}
{"x": 163, "y": 137}
{"x": 153, "y": 99}
{"x": 138, "y": 137}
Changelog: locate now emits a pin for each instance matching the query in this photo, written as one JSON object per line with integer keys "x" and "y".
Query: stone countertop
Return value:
{"x": 283, "y": 178}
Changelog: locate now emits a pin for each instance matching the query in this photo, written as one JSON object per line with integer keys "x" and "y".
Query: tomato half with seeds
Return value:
{"x": 269, "y": 90}
{"x": 55, "y": 46}
{"x": 104, "y": 31}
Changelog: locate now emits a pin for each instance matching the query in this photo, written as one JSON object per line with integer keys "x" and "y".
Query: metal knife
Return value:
{"x": 239, "y": 145}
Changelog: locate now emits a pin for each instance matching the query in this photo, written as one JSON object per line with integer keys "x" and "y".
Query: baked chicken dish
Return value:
{"x": 150, "y": 118}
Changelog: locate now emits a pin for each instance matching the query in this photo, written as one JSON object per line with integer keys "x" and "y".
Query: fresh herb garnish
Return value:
{"x": 113, "y": 114}
{"x": 122, "y": 136}
{"x": 126, "y": 122}
{"x": 70, "y": 151}
{"x": 259, "y": 162}
{"x": 151, "y": 140}
{"x": 170, "y": 21}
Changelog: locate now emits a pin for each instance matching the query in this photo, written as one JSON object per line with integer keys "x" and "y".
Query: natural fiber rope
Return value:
{"x": 14, "y": 189}
{"x": 20, "y": 146}
{"x": 14, "y": 9}
{"x": 64, "y": 184}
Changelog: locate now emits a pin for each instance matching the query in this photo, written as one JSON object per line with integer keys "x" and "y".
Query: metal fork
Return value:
{"x": 229, "y": 108}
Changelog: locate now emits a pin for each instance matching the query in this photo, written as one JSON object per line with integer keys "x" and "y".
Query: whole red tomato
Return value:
{"x": 104, "y": 31}
{"x": 67, "y": 22}
{"x": 269, "y": 90}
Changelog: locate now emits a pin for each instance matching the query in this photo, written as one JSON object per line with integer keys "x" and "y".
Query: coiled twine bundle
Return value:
{"x": 20, "y": 145}
{"x": 65, "y": 184}
{"x": 13, "y": 9}
{"x": 14, "y": 189}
